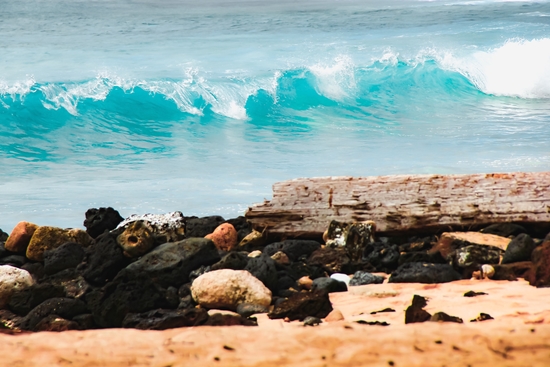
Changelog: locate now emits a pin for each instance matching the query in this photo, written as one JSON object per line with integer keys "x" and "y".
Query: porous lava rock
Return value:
{"x": 332, "y": 260}
{"x": 66, "y": 308}
{"x": 249, "y": 309}
{"x": 294, "y": 249}
{"x": 363, "y": 277}
{"x": 12, "y": 280}
{"x": 224, "y": 237}
{"x": 383, "y": 257}
{"x": 519, "y": 249}
{"x": 100, "y": 220}
{"x": 504, "y": 229}
{"x": 23, "y": 301}
{"x": 234, "y": 260}
{"x": 163, "y": 319}
{"x": 171, "y": 263}
{"x": 169, "y": 227}
{"x": 263, "y": 267}
{"x": 242, "y": 226}
{"x": 14, "y": 260}
{"x": 66, "y": 256}
{"x": 301, "y": 305}
{"x": 226, "y": 289}
{"x": 56, "y": 323}
{"x": 424, "y": 273}
{"x": 200, "y": 227}
{"x": 20, "y": 236}
{"x": 513, "y": 271}
{"x": 137, "y": 238}
{"x": 329, "y": 285}
{"x": 104, "y": 259}
{"x": 48, "y": 238}
{"x": 443, "y": 317}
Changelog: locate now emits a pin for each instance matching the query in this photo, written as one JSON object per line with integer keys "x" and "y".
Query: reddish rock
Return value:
{"x": 334, "y": 315}
{"x": 20, "y": 236}
{"x": 225, "y": 237}
{"x": 539, "y": 276}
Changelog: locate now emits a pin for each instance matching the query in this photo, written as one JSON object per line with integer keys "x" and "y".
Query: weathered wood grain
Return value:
{"x": 404, "y": 204}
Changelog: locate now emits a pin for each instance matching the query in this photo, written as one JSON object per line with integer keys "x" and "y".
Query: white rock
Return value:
{"x": 341, "y": 277}
{"x": 12, "y": 279}
{"x": 228, "y": 288}
{"x": 255, "y": 253}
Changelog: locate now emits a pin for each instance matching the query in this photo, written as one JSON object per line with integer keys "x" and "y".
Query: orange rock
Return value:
{"x": 334, "y": 315}
{"x": 305, "y": 282}
{"x": 224, "y": 237}
{"x": 19, "y": 239}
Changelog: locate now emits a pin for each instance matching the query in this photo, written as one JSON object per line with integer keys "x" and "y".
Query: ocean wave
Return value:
{"x": 518, "y": 68}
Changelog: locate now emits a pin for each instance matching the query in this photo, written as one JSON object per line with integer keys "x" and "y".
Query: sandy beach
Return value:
{"x": 518, "y": 335}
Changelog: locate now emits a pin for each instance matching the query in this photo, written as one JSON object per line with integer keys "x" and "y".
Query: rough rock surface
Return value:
{"x": 169, "y": 227}
{"x": 233, "y": 260}
{"x": 301, "y": 305}
{"x": 225, "y": 237}
{"x": 20, "y": 236}
{"x": 100, "y": 220}
{"x": 137, "y": 238}
{"x": 165, "y": 319}
{"x": 539, "y": 276}
{"x": 424, "y": 273}
{"x": 12, "y": 279}
{"x": 66, "y": 256}
{"x": 23, "y": 301}
{"x": 48, "y": 238}
{"x": 449, "y": 242}
{"x": 519, "y": 249}
{"x": 200, "y": 227}
{"x": 328, "y": 285}
{"x": 263, "y": 267}
{"x": 364, "y": 277}
{"x": 66, "y": 308}
{"x": 227, "y": 289}
{"x": 104, "y": 259}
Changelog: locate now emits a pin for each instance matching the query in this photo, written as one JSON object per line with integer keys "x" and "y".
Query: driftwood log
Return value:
{"x": 404, "y": 204}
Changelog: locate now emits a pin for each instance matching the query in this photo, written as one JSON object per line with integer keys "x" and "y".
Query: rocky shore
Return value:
{"x": 164, "y": 272}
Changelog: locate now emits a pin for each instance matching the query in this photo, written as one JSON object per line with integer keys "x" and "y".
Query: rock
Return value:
{"x": 23, "y": 301}
{"x": 334, "y": 315}
{"x": 341, "y": 277}
{"x": 66, "y": 308}
{"x": 312, "y": 321}
{"x": 335, "y": 235}
{"x": 71, "y": 280}
{"x": 165, "y": 319}
{"x": 227, "y": 289}
{"x": 471, "y": 257}
{"x": 519, "y": 249}
{"x": 169, "y": 227}
{"x": 255, "y": 253}
{"x": 104, "y": 259}
{"x": 66, "y": 256}
{"x": 424, "y": 273}
{"x": 200, "y": 227}
{"x": 137, "y": 238}
{"x": 3, "y": 236}
{"x": 100, "y": 220}
{"x": 512, "y": 271}
{"x": 55, "y": 323}
{"x": 9, "y": 320}
{"x": 280, "y": 258}
{"x": 249, "y": 309}
{"x": 219, "y": 319}
{"x": 421, "y": 257}
{"x": 48, "y": 238}
{"x": 194, "y": 274}
{"x": 299, "y": 269}
{"x": 294, "y": 249}
{"x": 362, "y": 278}
{"x": 504, "y": 229}
{"x": 329, "y": 285}
{"x": 85, "y": 321}
{"x": 332, "y": 260}
{"x": 474, "y": 294}
{"x": 415, "y": 312}
{"x": 253, "y": 239}
{"x": 35, "y": 269}
{"x": 171, "y": 263}
{"x": 487, "y": 271}
{"x": 233, "y": 260}
{"x": 12, "y": 280}
{"x": 242, "y": 226}
{"x": 359, "y": 235}
{"x": 539, "y": 276}
{"x": 301, "y": 305}
{"x": 305, "y": 282}
{"x": 20, "y": 236}
{"x": 110, "y": 305}
{"x": 383, "y": 257}
{"x": 482, "y": 317}
{"x": 443, "y": 317}
{"x": 263, "y": 268}
{"x": 13, "y": 260}
{"x": 224, "y": 237}
{"x": 479, "y": 244}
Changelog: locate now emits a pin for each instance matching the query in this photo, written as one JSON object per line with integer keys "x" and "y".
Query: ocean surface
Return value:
{"x": 152, "y": 106}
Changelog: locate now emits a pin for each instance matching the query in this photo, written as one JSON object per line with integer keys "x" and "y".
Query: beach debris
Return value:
{"x": 224, "y": 237}
{"x": 415, "y": 312}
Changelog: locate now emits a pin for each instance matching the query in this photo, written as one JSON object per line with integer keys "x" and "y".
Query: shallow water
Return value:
{"x": 156, "y": 106}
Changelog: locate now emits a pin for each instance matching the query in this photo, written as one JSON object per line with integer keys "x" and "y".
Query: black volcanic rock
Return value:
{"x": 66, "y": 308}
{"x": 23, "y": 301}
{"x": 301, "y": 305}
{"x": 329, "y": 285}
{"x": 504, "y": 229}
{"x": 162, "y": 319}
{"x": 100, "y": 220}
{"x": 263, "y": 267}
{"x": 66, "y": 256}
{"x": 519, "y": 249}
{"x": 424, "y": 273}
{"x": 200, "y": 227}
{"x": 233, "y": 260}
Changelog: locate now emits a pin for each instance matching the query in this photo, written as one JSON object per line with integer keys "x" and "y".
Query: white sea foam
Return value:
{"x": 519, "y": 68}
{"x": 337, "y": 80}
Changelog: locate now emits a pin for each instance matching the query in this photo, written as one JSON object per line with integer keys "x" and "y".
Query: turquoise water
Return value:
{"x": 156, "y": 106}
